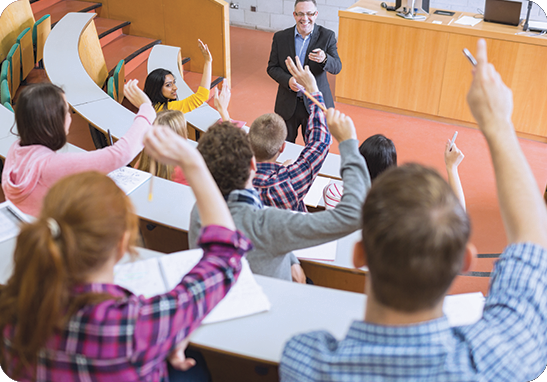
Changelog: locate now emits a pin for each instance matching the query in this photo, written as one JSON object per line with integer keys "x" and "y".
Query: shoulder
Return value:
{"x": 284, "y": 33}
{"x": 324, "y": 31}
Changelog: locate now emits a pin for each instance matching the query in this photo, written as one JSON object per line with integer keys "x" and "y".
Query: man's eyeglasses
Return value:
{"x": 302, "y": 14}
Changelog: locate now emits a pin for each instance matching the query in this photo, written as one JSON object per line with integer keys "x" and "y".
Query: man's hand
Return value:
{"x": 317, "y": 55}
{"x": 302, "y": 75}
{"x": 292, "y": 84}
{"x": 490, "y": 100}
{"x": 452, "y": 157}
{"x": 298, "y": 274}
{"x": 134, "y": 94}
{"x": 178, "y": 360}
{"x": 340, "y": 125}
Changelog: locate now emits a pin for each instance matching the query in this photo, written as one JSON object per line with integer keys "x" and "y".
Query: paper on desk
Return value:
{"x": 362, "y": 10}
{"x": 467, "y": 20}
{"x": 161, "y": 274}
{"x": 325, "y": 251}
{"x": 463, "y": 309}
{"x": 129, "y": 179}
{"x": 10, "y": 220}
{"x": 315, "y": 193}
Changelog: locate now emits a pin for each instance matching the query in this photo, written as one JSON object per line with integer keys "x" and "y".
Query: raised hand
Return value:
{"x": 134, "y": 94}
{"x": 302, "y": 75}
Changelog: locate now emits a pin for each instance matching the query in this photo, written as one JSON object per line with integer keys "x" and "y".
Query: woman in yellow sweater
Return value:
{"x": 161, "y": 88}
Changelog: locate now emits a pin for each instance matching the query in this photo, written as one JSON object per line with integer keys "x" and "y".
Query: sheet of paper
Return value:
{"x": 129, "y": 179}
{"x": 325, "y": 251}
{"x": 10, "y": 220}
{"x": 315, "y": 193}
{"x": 141, "y": 277}
{"x": 244, "y": 299}
{"x": 176, "y": 265}
{"x": 362, "y": 10}
{"x": 467, "y": 20}
{"x": 463, "y": 309}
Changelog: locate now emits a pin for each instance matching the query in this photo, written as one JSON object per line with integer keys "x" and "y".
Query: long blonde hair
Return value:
{"x": 176, "y": 121}
{"x": 83, "y": 220}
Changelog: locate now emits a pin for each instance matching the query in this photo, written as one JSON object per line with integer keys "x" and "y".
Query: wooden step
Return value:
{"x": 139, "y": 73}
{"x": 108, "y": 26}
{"x": 60, "y": 9}
{"x": 133, "y": 49}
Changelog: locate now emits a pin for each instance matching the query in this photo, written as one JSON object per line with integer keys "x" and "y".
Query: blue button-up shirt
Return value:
{"x": 508, "y": 344}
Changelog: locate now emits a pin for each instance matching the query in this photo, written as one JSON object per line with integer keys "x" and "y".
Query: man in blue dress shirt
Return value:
{"x": 315, "y": 46}
{"x": 415, "y": 242}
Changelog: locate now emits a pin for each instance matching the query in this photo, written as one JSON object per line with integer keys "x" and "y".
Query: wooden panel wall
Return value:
{"x": 91, "y": 55}
{"x": 180, "y": 23}
{"x": 14, "y": 19}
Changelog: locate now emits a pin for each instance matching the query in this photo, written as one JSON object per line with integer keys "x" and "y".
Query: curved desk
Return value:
{"x": 172, "y": 202}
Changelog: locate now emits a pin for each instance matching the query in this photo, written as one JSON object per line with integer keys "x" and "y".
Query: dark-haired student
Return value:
{"x": 63, "y": 319}
{"x": 275, "y": 232}
{"x": 43, "y": 118}
{"x": 415, "y": 242}
{"x": 285, "y": 186}
{"x": 379, "y": 153}
{"x": 160, "y": 86}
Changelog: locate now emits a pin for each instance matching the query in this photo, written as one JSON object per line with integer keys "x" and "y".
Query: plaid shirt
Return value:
{"x": 508, "y": 344}
{"x": 286, "y": 187}
{"x": 128, "y": 338}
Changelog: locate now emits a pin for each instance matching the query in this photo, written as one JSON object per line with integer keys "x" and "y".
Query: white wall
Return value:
{"x": 274, "y": 15}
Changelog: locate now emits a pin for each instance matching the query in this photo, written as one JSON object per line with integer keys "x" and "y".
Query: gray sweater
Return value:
{"x": 275, "y": 232}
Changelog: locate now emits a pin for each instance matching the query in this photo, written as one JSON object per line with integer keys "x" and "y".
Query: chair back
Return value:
{"x": 40, "y": 32}
{"x": 8, "y": 106}
{"x": 119, "y": 80}
{"x": 14, "y": 58}
{"x": 5, "y": 96}
{"x": 111, "y": 88}
{"x": 27, "y": 52}
{"x": 5, "y": 73}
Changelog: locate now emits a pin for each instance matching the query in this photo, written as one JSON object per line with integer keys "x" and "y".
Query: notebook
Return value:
{"x": 502, "y": 12}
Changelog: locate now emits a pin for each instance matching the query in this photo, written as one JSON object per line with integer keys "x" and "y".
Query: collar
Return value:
{"x": 247, "y": 195}
{"x": 112, "y": 289}
{"x": 434, "y": 331}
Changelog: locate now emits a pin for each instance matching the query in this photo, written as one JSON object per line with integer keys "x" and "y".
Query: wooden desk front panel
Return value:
{"x": 391, "y": 65}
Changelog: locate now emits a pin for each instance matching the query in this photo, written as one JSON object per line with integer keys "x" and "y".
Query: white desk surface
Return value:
{"x": 296, "y": 308}
{"x": 62, "y": 60}
{"x": 6, "y": 259}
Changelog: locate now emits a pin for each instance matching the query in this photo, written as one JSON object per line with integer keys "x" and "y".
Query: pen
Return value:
{"x": 110, "y": 138}
{"x": 312, "y": 98}
{"x": 152, "y": 171}
{"x": 452, "y": 141}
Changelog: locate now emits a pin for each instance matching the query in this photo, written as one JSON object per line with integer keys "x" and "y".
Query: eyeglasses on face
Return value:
{"x": 308, "y": 14}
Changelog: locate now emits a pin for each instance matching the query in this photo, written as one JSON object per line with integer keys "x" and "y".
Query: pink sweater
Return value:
{"x": 30, "y": 171}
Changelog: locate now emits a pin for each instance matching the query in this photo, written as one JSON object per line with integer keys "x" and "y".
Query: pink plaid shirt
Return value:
{"x": 129, "y": 337}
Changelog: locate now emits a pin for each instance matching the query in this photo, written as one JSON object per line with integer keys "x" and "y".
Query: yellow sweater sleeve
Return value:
{"x": 190, "y": 103}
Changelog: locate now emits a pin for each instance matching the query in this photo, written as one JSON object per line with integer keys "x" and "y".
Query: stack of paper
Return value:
{"x": 10, "y": 220}
{"x": 161, "y": 274}
{"x": 467, "y": 20}
{"x": 129, "y": 179}
{"x": 315, "y": 193}
{"x": 325, "y": 251}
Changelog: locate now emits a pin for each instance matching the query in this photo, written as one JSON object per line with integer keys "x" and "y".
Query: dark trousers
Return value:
{"x": 299, "y": 118}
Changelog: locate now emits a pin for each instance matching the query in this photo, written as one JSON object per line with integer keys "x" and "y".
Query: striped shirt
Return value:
{"x": 286, "y": 186}
{"x": 128, "y": 337}
{"x": 508, "y": 344}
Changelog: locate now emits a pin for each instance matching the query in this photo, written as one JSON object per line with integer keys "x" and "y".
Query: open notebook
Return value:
{"x": 129, "y": 179}
{"x": 10, "y": 220}
{"x": 161, "y": 274}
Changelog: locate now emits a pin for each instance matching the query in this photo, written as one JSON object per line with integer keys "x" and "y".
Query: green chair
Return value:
{"x": 110, "y": 88}
{"x": 14, "y": 58}
{"x": 7, "y": 105}
{"x": 27, "y": 52}
{"x": 40, "y": 32}
{"x": 119, "y": 80}
{"x": 5, "y": 96}
{"x": 5, "y": 73}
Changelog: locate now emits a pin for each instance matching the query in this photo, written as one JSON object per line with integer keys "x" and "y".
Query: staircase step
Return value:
{"x": 107, "y": 26}
{"x": 60, "y": 9}
{"x": 133, "y": 49}
{"x": 139, "y": 73}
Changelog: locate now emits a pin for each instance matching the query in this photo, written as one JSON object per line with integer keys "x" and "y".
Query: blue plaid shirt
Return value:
{"x": 508, "y": 344}
{"x": 286, "y": 187}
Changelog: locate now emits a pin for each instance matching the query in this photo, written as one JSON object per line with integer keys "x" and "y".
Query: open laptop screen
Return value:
{"x": 502, "y": 11}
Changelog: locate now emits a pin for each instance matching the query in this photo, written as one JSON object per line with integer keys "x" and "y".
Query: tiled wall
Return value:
{"x": 274, "y": 15}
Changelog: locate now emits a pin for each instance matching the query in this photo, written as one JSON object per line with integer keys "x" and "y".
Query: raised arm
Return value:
{"x": 207, "y": 67}
{"x": 491, "y": 103}
{"x": 452, "y": 159}
{"x": 222, "y": 100}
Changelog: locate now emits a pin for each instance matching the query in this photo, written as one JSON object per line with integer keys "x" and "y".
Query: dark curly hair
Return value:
{"x": 227, "y": 153}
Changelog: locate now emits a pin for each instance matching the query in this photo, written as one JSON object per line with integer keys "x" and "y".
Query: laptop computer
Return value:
{"x": 502, "y": 11}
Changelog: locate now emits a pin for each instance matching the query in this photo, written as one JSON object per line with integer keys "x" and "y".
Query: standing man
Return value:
{"x": 315, "y": 46}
